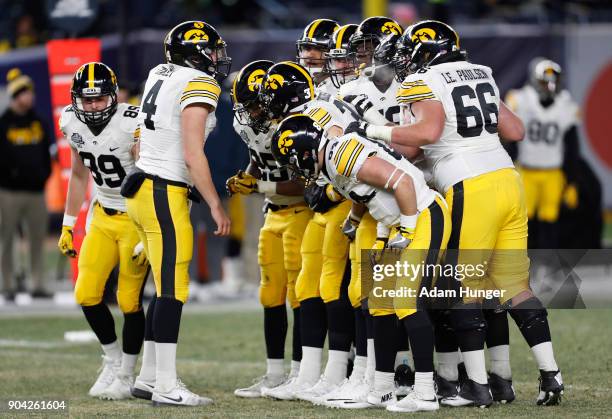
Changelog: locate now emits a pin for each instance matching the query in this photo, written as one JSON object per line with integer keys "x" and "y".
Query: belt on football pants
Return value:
{"x": 274, "y": 207}
{"x": 110, "y": 211}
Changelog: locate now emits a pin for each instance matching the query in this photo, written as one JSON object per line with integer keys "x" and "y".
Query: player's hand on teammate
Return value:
{"x": 402, "y": 239}
{"x": 358, "y": 127}
{"x": 139, "y": 255}
{"x": 349, "y": 227}
{"x": 221, "y": 219}
{"x": 242, "y": 183}
{"x": 65, "y": 244}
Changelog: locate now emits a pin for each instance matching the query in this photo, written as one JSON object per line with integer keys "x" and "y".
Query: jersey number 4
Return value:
{"x": 487, "y": 111}
{"x": 105, "y": 165}
{"x": 148, "y": 105}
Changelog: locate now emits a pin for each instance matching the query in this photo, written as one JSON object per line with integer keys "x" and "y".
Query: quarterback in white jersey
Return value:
{"x": 103, "y": 137}
{"x": 396, "y": 195}
{"x": 547, "y": 155}
{"x": 454, "y": 113}
{"x": 176, "y": 113}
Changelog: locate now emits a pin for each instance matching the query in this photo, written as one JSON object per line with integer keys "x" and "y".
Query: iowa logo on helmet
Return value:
{"x": 196, "y": 34}
{"x": 255, "y": 79}
{"x": 274, "y": 81}
{"x": 391, "y": 28}
{"x": 424, "y": 34}
{"x": 284, "y": 143}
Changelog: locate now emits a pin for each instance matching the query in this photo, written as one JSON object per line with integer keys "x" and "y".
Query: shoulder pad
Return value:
{"x": 66, "y": 116}
{"x": 128, "y": 115}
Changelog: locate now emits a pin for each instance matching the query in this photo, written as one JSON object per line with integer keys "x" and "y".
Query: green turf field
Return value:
{"x": 220, "y": 351}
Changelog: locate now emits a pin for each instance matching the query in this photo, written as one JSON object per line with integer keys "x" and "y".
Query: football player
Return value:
{"x": 551, "y": 142}
{"x": 281, "y": 235}
{"x": 288, "y": 88}
{"x": 396, "y": 195}
{"x": 176, "y": 116}
{"x": 311, "y": 49}
{"x": 452, "y": 111}
{"x": 103, "y": 138}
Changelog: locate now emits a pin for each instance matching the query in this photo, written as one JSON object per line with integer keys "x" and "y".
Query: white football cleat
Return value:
{"x": 316, "y": 393}
{"x": 382, "y": 397}
{"x": 120, "y": 388}
{"x": 415, "y": 402}
{"x": 290, "y": 379}
{"x": 108, "y": 372}
{"x": 259, "y": 384}
{"x": 143, "y": 389}
{"x": 179, "y": 395}
{"x": 288, "y": 391}
{"x": 353, "y": 394}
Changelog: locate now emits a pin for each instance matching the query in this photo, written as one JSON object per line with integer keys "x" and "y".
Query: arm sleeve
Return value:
{"x": 349, "y": 157}
{"x": 571, "y": 153}
{"x": 201, "y": 89}
{"x": 412, "y": 91}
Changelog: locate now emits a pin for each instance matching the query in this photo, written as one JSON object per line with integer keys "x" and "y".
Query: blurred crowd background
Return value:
{"x": 503, "y": 34}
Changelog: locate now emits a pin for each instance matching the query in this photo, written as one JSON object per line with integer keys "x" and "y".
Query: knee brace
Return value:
{"x": 468, "y": 317}
{"x": 529, "y": 313}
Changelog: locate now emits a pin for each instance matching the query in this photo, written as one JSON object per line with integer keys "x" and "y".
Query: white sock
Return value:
{"x": 475, "y": 366}
{"x": 371, "y": 364}
{"x": 275, "y": 367}
{"x": 384, "y": 380}
{"x": 295, "y": 368}
{"x": 128, "y": 363}
{"x": 335, "y": 370}
{"x": 402, "y": 358}
{"x": 165, "y": 371}
{"x": 545, "y": 357}
{"x": 447, "y": 365}
{"x": 113, "y": 351}
{"x": 424, "y": 384}
{"x": 147, "y": 369}
{"x": 310, "y": 366}
{"x": 500, "y": 361}
{"x": 360, "y": 363}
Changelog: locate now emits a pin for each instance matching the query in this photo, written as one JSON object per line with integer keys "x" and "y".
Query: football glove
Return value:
{"x": 242, "y": 183}
{"x": 402, "y": 239}
{"x": 358, "y": 127}
{"x": 378, "y": 249}
{"x": 65, "y": 243}
{"x": 570, "y": 196}
{"x": 349, "y": 227}
{"x": 361, "y": 103}
{"x": 138, "y": 255}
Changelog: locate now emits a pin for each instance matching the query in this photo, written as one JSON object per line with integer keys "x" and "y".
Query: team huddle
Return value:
{"x": 374, "y": 139}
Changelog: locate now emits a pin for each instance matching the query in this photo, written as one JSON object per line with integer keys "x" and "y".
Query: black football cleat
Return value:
{"x": 501, "y": 389}
{"x": 445, "y": 388}
{"x": 471, "y": 394}
{"x": 551, "y": 388}
{"x": 463, "y": 376}
{"x": 404, "y": 376}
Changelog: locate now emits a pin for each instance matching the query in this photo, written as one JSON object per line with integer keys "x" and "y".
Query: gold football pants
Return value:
{"x": 160, "y": 211}
{"x": 110, "y": 241}
{"x": 279, "y": 256}
{"x": 365, "y": 237}
{"x": 324, "y": 252}
{"x": 543, "y": 193}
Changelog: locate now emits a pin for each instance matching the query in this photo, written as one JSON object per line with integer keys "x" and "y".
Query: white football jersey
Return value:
{"x": 344, "y": 157}
{"x": 545, "y": 128}
{"x": 260, "y": 154}
{"x": 326, "y": 86}
{"x": 168, "y": 90}
{"x": 108, "y": 155}
{"x": 469, "y": 145}
{"x": 384, "y": 101}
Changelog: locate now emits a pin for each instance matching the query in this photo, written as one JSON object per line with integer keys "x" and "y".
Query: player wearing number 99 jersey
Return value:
{"x": 452, "y": 111}
{"x": 102, "y": 135}
{"x": 280, "y": 238}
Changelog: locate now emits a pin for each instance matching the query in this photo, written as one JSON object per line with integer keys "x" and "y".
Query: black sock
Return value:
{"x": 167, "y": 319}
{"x": 148, "y": 331}
{"x": 313, "y": 322}
{"x": 497, "y": 328}
{"x": 443, "y": 331}
{"x": 340, "y": 324}
{"x": 470, "y": 327}
{"x": 275, "y": 331}
{"x": 531, "y": 318}
{"x": 401, "y": 338}
{"x": 101, "y": 322}
{"x": 133, "y": 332}
{"x": 419, "y": 330}
{"x": 369, "y": 324}
{"x": 361, "y": 338}
{"x": 385, "y": 328}
{"x": 296, "y": 338}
